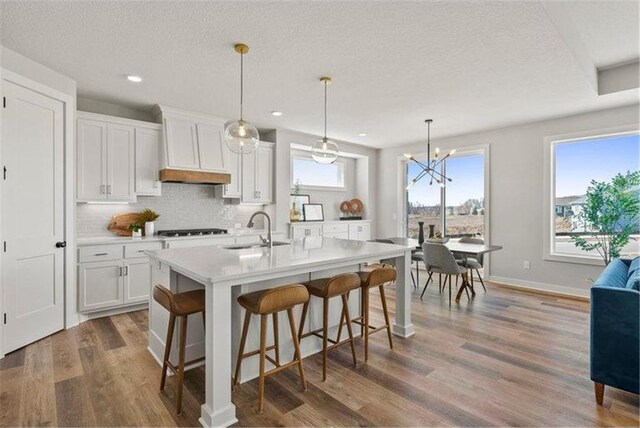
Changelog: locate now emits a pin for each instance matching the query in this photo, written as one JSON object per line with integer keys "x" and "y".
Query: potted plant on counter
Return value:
{"x": 136, "y": 230}
{"x": 148, "y": 218}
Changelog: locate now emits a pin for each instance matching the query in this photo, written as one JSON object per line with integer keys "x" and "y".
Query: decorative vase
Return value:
{"x": 420, "y": 232}
{"x": 294, "y": 214}
{"x": 431, "y": 230}
{"x": 149, "y": 228}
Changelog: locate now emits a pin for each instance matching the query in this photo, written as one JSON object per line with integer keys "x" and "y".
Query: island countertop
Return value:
{"x": 212, "y": 264}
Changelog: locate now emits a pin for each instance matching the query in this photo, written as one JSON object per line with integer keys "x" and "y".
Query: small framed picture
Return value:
{"x": 313, "y": 212}
{"x": 299, "y": 201}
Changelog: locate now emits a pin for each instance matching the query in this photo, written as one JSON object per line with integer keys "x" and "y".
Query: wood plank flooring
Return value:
{"x": 508, "y": 358}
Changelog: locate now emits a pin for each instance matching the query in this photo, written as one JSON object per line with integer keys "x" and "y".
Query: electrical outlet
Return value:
{"x": 526, "y": 264}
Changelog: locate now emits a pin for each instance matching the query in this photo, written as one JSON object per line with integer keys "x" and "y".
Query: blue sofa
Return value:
{"x": 615, "y": 318}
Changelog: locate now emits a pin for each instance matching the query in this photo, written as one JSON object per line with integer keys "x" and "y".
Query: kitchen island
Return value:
{"x": 225, "y": 273}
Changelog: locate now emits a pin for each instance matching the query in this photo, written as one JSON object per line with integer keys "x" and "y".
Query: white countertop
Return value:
{"x": 103, "y": 240}
{"x": 213, "y": 264}
{"x": 303, "y": 223}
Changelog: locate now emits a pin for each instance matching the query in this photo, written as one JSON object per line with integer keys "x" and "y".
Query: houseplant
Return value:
{"x": 294, "y": 213}
{"x": 148, "y": 218}
{"x": 609, "y": 215}
{"x": 136, "y": 230}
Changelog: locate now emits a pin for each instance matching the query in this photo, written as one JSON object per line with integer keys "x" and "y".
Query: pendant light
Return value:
{"x": 325, "y": 151}
{"x": 240, "y": 136}
{"x": 429, "y": 169}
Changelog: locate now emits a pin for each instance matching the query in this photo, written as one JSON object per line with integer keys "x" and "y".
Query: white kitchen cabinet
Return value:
{"x": 304, "y": 230}
{"x": 114, "y": 276}
{"x": 115, "y": 158}
{"x": 257, "y": 175}
{"x": 210, "y": 147}
{"x": 92, "y": 154}
{"x": 120, "y": 163}
{"x": 233, "y": 163}
{"x": 181, "y": 143}
{"x": 360, "y": 231}
{"x": 147, "y": 163}
{"x": 137, "y": 280}
{"x": 335, "y": 231}
{"x": 100, "y": 285}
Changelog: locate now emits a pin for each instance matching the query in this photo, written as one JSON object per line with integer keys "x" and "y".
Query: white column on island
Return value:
{"x": 218, "y": 410}
{"x": 402, "y": 325}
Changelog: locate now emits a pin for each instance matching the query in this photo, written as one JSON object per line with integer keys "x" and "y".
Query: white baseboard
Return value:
{"x": 114, "y": 311}
{"x": 541, "y": 287}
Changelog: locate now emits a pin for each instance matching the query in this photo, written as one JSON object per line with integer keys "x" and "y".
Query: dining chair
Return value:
{"x": 472, "y": 263}
{"x": 414, "y": 258}
{"x": 438, "y": 259}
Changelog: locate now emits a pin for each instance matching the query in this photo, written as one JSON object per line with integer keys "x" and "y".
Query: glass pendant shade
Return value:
{"x": 324, "y": 151}
{"x": 241, "y": 137}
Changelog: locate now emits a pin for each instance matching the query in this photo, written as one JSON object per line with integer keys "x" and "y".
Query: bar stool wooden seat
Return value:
{"x": 179, "y": 305}
{"x": 377, "y": 275}
{"x": 265, "y": 303}
{"x": 326, "y": 288}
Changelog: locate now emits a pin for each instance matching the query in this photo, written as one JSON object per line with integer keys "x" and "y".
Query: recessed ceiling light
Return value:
{"x": 362, "y": 134}
{"x": 276, "y": 113}
{"x": 134, "y": 78}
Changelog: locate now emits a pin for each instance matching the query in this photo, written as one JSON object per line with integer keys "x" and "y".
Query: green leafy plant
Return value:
{"x": 148, "y": 215}
{"x": 135, "y": 227}
{"x": 610, "y": 215}
{"x": 296, "y": 187}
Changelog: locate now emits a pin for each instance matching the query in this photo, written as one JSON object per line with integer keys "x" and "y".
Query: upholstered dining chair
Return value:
{"x": 438, "y": 259}
{"x": 473, "y": 263}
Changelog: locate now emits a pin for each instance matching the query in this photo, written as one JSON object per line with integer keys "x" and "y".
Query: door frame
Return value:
{"x": 71, "y": 316}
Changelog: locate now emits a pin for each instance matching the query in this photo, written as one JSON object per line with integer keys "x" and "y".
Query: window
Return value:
{"x": 463, "y": 198}
{"x": 309, "y": 173}
{"x": 577, "y": 163}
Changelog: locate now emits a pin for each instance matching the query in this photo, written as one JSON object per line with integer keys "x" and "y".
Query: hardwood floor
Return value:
{"x": 507, "y": 358}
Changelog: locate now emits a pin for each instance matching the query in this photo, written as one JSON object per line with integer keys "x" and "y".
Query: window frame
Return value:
{"x": 549, "y": 189}
{"x": 483, "y": 150}
{"x": 341, "y": 168}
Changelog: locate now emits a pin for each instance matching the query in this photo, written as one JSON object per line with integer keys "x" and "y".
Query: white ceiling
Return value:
{"x": 469, "y": 65}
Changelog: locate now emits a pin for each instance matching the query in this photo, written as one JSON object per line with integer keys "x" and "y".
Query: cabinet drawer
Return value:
{"x": 335, "y": 228}
{"x": 99, "y": 253}
{"x": 133, "y": 251}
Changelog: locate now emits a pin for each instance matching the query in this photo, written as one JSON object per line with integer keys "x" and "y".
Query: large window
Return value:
{"x": 463, "y": 198}
{"x": 577, "y": 163}
{"x": 309, "y": 173}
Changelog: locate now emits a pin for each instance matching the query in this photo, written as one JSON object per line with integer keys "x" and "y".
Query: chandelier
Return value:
{"x": 430, "y": 168}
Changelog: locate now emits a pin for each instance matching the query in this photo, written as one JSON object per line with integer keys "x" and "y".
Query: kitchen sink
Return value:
{"x": 258, "y": 245}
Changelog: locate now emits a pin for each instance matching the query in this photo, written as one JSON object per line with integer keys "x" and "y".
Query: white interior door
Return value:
{"x": 32, "y": 215}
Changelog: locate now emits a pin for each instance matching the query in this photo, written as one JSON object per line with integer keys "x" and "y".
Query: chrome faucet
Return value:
{"x": 250, "y": 224}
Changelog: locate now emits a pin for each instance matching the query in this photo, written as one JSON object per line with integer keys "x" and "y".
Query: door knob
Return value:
{"x": 61, "y": 244}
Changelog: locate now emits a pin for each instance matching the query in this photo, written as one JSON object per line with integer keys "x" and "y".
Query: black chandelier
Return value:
{"x": 429, "y": 169}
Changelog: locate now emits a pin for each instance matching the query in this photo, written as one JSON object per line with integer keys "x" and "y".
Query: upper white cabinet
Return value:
{"x": 118, "y": 159}
{"x": 192, "y": 141}
{"x": 148, "y": 162}
{"x": 257, "y": 175}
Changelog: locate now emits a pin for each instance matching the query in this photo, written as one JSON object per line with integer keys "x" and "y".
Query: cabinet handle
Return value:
{"x": 102, "y": 189}
{"x": 141, "y": 251}
{"x": 108, "y": 189}
{"x": 100, "y": 254}
{"x": 119, "y": 270}
{"x": 126, "y": 271}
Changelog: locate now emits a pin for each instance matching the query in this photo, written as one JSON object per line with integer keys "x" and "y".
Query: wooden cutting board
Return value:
{"x": 119, "y": 223}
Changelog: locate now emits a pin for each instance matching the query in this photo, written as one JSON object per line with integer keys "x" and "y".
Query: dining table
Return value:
{"x": 464, "y": 249}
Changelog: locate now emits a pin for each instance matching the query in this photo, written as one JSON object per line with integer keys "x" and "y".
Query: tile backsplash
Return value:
{"x": 181, "y": 206}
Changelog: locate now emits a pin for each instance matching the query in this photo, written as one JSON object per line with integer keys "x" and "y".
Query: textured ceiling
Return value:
{"x": 469, "y": 65}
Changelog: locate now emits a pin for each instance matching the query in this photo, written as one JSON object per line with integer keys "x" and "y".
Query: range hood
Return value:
{"x": 195, "y": 177}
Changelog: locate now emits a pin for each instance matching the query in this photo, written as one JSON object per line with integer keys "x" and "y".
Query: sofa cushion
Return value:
{"x": 635, "y": 266}
{"x": 633, "y": 283}
{"x": 615, "y": 275}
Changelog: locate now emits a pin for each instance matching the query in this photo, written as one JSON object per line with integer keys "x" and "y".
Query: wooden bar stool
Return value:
{"x": 265, "y": 303}
{"x": 377, "y": 275}
{"x": 179, "y": 305}
{"x": 326, "y": 288}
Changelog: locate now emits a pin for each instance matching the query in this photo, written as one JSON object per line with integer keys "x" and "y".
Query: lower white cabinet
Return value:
{"x": 358, "y": 230}
{"x": 121, "y": 277}
{"x": 100, "y": 284}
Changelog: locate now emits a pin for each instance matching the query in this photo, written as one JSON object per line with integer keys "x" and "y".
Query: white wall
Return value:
{"x": 364, "y": 188}
{"x": 516, "y": 196}
{"x": 110, "y": 109}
